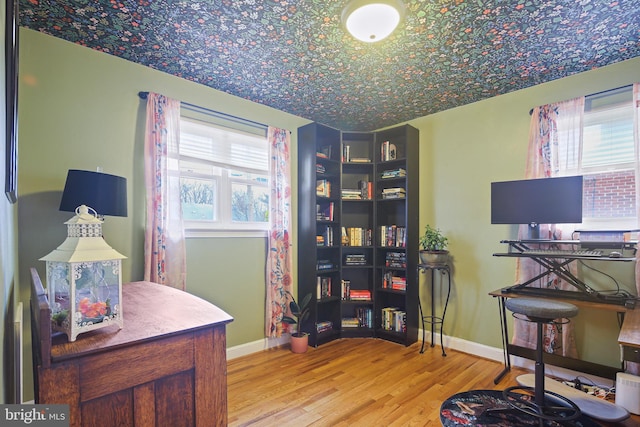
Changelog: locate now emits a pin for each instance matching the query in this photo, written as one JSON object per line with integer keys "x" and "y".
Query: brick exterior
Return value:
{"x": 609, "y": 195}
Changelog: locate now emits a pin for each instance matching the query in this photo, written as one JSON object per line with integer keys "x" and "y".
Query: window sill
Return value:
{"x": 207, "y": 234}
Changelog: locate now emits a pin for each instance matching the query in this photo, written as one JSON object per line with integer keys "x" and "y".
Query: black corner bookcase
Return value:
{"x": 358, "y": 199}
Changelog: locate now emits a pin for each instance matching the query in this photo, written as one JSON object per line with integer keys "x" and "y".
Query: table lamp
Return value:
{"x": 84, "y": 275}
{"x": 105, "y": 193}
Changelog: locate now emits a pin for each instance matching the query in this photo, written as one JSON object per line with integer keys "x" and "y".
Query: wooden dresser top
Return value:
{"x": 150, "y": 311}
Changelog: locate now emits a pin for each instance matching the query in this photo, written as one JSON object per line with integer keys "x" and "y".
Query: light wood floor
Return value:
{"x": 355, "y": 382}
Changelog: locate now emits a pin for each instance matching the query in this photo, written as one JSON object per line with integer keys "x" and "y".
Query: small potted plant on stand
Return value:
{"x": 433, "y": 247}
{"x": 299, "y": 339}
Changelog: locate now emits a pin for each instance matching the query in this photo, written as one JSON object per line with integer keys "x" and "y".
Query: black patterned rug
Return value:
{"x": 469, "y": 408}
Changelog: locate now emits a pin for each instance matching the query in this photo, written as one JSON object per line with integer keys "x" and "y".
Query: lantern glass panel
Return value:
{"x": 60, "y": 289}
{"x": 97, "y": 290}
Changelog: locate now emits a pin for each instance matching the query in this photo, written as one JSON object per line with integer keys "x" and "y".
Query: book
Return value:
{"x": 324, "y": 264}
{"x": 360, "y": 295}
{"x": 393, "y": 173}
{"x": 346, "y": 153}
{"x": 345, "y": 286}
{"x": 324, "y": 326}
{"x": 323, "y": 285}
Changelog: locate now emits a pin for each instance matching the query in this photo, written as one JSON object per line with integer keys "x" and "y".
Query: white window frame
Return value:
{"x": 223, "y": 226}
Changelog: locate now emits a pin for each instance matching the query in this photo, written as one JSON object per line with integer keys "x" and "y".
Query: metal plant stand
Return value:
{"x": 432, "y": 318}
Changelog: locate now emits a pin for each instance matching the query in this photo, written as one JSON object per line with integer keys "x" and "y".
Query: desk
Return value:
{"x": 632, "y": 337}
{"x": 167, "y": 366}
{"x": 432, "y": 318}
{"x": 629, "y": 338}
{"x": 583, "y": 296}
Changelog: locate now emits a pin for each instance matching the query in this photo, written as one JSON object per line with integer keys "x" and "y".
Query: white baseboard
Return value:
{"x": 256, "y": 346}
{"x": 496, "y": 354}
{"x": 454, "y": 343}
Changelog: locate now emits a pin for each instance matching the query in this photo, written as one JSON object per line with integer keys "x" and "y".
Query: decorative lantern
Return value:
{"x": 84, "y": 278}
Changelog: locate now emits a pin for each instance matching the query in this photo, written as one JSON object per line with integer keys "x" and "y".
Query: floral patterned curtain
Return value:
{"x": 278, "y": 266}
{"x": 164, "y": 248}
{"x": 555, "y": 143}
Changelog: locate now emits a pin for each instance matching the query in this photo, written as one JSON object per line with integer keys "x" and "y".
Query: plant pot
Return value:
{"x": 299, "y": 344}
{"x": 434, "y": 257}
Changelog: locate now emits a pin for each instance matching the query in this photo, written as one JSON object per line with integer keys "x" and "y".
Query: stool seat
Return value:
{"x": 539, "y": 309}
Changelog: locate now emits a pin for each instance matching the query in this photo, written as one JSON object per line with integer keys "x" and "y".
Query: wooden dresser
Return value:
{"x": 166, "y": 367}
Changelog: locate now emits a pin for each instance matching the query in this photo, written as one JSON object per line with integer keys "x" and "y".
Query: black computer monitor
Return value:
{"x": 537, "y": 201}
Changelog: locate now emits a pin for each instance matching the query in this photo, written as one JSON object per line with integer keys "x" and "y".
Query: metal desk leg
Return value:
{"x": 505, "y": 341}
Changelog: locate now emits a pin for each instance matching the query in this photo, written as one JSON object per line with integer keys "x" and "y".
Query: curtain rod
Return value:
{"x": 144, "y": 95}
{"x": 598, "y": 93}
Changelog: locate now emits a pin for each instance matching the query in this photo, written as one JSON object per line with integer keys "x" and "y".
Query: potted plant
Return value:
{"x": 299, "y": 339}
{"x": 433, "y": 247}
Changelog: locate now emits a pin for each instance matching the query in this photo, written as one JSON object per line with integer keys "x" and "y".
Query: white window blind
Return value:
{"x": 608, "y": 137}
{"x": 219, "y": 147}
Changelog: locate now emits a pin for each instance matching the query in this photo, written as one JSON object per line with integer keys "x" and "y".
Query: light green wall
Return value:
{"x": 79, "y": 109}
{"x": 465, "y": 149}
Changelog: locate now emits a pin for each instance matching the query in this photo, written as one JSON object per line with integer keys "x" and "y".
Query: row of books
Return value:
{"x": 393, "y": 236}
{"x": 393, "y": 193}
{"x": 323, "y": 287}
{"x": 355, "y": 259}
{"x": 348, "y": 294}
{"x": 388, "y": 151}
{"x": 323, "y": 188}
{"x": 348, "y": 158}
{"x": 363, "y": 319}
{"x": 394, "y": 319}
{"x": 325, "y": 211}
{"x": 390, "y": 281}
{"x": 363, "y": 192}
{"x": 395, "y": 260}
{"x": 393, "y": 173}
{"x": 359, "y": 295}
{"x": 326, "y": 238}
{"x": 357, "y": 236}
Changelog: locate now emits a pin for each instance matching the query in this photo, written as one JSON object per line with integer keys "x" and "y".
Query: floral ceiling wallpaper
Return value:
{"x": 294, "y": 55}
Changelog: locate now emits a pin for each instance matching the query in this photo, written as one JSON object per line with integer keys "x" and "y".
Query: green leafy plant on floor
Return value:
{"x": 299, "y": 311}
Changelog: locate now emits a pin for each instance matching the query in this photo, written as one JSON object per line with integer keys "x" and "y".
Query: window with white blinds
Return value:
{"x": 224, "y": 174}
{"x": 608, "y": 160}
{"x": 608, "y": 132}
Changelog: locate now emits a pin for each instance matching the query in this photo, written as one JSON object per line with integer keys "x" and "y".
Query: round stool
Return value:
{"x": 541, "y": 311}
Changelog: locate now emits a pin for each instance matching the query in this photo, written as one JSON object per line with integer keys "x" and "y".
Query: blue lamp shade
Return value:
{"x": 106, "y": 194}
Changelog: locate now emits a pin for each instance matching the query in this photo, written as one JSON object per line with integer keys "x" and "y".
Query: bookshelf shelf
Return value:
{"x": 364, "y": 210}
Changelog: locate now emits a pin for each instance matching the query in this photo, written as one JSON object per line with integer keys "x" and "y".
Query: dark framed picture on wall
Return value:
{"x": 11, "y": 100}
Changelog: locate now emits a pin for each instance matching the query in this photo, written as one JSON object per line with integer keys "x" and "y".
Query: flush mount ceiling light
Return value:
{"x": 372, "y": 20}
